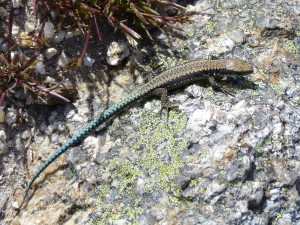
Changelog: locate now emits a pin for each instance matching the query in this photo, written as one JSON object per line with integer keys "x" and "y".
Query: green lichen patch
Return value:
{"x": 149, "y": 167}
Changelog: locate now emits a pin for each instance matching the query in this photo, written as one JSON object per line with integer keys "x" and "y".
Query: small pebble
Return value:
{"x": 3, "y": 149}
{"x": 59, "y": 37}
{"x": 2, "y": 135}
{"x": 63, "y": 60}
{"x": 87, "y": 61}
{"x": 11, "y": 117}
{"x": 49, "y": 30}
{"x": 29, "y": 27}
{"x": 116, "y": 52}
{"x": 3, "y": 47}
{"x": 40, "y": 68}
{"x": 15, "y": 30}
{"x": 26, "y": 134}
{"x": 50, "y": 52}
{"x": 236, "y": 36}
{"x": 69, "y": 34}
{"x": 16, "y": 4}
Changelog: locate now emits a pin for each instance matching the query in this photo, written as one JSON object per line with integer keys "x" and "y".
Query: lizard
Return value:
{"x": 169, "y": 79}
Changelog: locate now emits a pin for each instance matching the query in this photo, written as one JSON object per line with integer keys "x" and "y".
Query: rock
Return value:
{"x": 48, "y": 30}
{"x": 63, "y": 60}
{"x": 59, "y": 37}
{"x": 16, "y": 4}
{"x": 29, "y": 27}
{"x": 236, "y": 36}
{"x": 87, "y": 61}
{"x": 50, "y": 52}
{"x": 40, "y": 68}
{"x": 116, "y": 52}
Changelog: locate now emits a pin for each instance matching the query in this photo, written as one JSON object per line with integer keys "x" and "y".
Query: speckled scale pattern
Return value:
{"x": 168, "y": 79}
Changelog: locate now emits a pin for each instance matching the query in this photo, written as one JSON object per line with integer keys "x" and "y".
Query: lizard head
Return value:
{"x": 238, "y": 67}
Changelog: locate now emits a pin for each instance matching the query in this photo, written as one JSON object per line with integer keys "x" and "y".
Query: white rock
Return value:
{"x": 200, "y": 7}
{"x": 15, "y": 205}
{"x": 16, "y": 3}
{"x": 138, "y": 186}
{"x": 69, "y": 34}
{"x": 59, "y": 37}
{"x": 50, "y": 52}
{"x": 3, "y": 47}
{"x": 40, "y": 68}
{"x": 11, "y": 117}
{"x": 26, "y": 134}
{"x": 63, "y": 60}
{"x": 278, "y": 129}
{"x": 201, "y": 116}
{"x": 220, "y": 44}
{"x": 29, "y": 27}
{"x": 15, "y": 30}
{"x": 87, "y": 61}
{"x": 236, "y": 36}
{"x": 49, "y": 30}
{"x": 3, "y": 148}
{"x": 116, "y": 52}
{"x": 2, "y": 135}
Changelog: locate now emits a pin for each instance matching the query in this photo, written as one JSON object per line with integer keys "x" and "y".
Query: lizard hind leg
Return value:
{"x": 165, "y": 104}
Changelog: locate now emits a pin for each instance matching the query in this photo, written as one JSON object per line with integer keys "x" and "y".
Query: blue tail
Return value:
{"x": 104, "y": 117}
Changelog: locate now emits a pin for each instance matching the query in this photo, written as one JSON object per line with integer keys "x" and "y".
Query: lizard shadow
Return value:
{"x": 43, "y": 178}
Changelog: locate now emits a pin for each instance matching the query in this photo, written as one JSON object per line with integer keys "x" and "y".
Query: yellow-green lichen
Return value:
{"x": 250, "y": 24}
{"x": 203, "y": 153}
{"x": 291, "y": 47}
{"x": 283, "y": 191}
{"x": 278, "y": 10}
{"x": 194, "y": 182}
{"x": 152, "y": 133}
{"x": 153, "y": 158}
{"x": 202, "y": 190}
{"x": 254, "y": 123}
{"x": 276, "y": 88}
{"x": 210, "y": 26}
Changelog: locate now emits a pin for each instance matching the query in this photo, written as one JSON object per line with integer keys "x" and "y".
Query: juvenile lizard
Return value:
{"x": 169, "y": 79}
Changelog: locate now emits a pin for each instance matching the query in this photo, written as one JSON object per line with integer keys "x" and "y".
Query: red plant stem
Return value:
{"x": 40, "y": 88}
{"x": 35, "y": 2}
{"x": 160, "y": 17}
{"x": 168, "y": 3}
{"x": 27, "y": 64}
{"x": 96, "y": 27}
{"x": 3, "y": 96}
{"x": 85, "y": 45}
{"x": 4, "y": 60}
